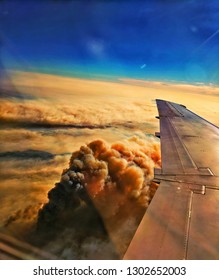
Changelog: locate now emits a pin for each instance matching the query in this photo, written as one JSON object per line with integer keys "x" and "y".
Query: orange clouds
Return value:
{"x": 71, "y": 101}
{"x": 111, "y": 177}
{"x": 115, "y": 179}
{"x": 48, "y": 114}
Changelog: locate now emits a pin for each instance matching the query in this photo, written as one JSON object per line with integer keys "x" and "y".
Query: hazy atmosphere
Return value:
{"x": 78, "y": 83}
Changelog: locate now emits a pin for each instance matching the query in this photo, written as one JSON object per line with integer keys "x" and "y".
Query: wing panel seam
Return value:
{"x": 188, "y": 226}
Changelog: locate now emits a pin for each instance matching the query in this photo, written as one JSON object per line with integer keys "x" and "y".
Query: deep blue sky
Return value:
{"x": 158, "y": 40}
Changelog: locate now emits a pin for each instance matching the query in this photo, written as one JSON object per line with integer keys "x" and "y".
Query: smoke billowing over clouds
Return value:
{"x": 113, "y": 183}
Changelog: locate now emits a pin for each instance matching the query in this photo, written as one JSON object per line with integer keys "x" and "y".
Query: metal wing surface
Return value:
{"x": 182, "y": 221}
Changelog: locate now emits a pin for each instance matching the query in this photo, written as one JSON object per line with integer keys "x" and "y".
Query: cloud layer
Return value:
{"x": 98, "y": 203}
{"x": 82, "y": 103}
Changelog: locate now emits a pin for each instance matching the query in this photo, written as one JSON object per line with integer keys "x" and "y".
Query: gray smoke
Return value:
{"x": 101, "y": 197}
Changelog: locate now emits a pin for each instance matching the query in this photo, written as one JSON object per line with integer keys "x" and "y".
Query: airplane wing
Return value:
{"x": 182, "y": 221}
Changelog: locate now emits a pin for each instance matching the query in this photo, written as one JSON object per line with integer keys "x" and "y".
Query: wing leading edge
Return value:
{"x": 182, "y": 221}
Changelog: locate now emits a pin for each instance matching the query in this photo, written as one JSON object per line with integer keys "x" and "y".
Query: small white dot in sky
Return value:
{"x": 143, "y": 66}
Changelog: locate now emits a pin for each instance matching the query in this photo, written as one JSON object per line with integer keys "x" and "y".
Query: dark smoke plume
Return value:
{"x": 108, "y": 185}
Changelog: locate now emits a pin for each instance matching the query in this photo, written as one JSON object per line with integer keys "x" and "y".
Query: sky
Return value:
{"x": 152, "y": 40}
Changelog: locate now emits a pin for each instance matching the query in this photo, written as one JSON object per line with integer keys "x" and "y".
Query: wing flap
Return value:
{"x": 162, "y": 232}
{"x": 203, "y": 242}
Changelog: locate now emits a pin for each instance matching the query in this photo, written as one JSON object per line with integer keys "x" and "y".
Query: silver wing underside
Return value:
{"x": 182, "y": 221}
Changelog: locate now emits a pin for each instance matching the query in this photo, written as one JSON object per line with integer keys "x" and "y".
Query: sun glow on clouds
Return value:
{"x": 68, "y": 101}
{"x": 61, "y": 114}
